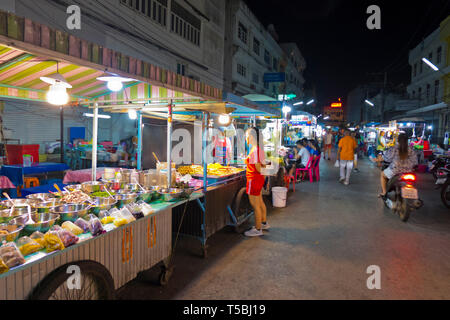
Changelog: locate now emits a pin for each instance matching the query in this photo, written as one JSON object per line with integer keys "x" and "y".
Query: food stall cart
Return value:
{"x": 111, "y": 259}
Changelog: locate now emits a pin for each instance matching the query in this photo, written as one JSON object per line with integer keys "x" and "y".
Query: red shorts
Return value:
{"x": 255, "y": 186}
{"x": 327, "y": 146}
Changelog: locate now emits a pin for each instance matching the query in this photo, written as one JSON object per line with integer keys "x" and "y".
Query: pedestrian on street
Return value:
{"x": 328, "y": 143}
{"x": 346, "y": 156}
{"x": 255, "y": 182}
{"x": 355, "y": 159}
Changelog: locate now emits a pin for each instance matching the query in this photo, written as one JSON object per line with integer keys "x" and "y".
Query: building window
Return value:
{"x": 414, "y": 94}
{"x": 436, "y": 90}
{"x": 185, "y": 24}
{"x": 256, "y": 46}
{"x": 255, "y": 78}
{"x": 430, "y": 56}
{"x": 275, "y": 64}
{"x": 181, "y": 69}
{"x": 428, "y": 91}
{"x": 439, "y": 55}
{"x": 415, "y": 70}
{"x": 153, "y": 9}
{"x": 266, "y": 85}
{"x": 420, "y": 94}
{"x": 241, "y": 70}
{"x": 242, "y": 33}
{"x": 267, "y": 57}
{"x": 421, "y": 67}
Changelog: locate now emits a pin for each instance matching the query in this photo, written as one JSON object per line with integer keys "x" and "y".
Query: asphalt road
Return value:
{"x": 320, "y": 247}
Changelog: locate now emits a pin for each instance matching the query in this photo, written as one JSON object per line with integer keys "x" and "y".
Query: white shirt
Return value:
{"x": 304, "y": 154}
{"x": 328, "y": 138}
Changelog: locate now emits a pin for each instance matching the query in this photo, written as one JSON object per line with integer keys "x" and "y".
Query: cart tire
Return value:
{"x": 241, "y": 205}
{"x": 98, "y": 286}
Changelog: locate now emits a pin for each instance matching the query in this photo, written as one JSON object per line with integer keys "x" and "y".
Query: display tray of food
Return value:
{"x": 215, "y": 171}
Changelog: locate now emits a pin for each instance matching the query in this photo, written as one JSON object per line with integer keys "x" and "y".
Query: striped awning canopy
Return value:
{"x": 20, "y": 74}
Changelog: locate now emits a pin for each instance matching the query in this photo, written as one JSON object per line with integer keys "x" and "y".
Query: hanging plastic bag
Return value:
{"x": 53, "y": 241}
{"x": 337, "y": 164}
{"x": 11, "y": 255}
{"x": 82, "y": 224}
{"x": 28, "y": 246}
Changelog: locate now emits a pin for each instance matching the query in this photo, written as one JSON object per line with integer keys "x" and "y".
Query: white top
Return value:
{"x": 328, "y": 138}
{"x": 304, "y": 154}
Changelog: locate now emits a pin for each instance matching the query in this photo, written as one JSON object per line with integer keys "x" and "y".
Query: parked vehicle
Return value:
{"x": 443, "y": 182}
{"x": 438, "y": 163}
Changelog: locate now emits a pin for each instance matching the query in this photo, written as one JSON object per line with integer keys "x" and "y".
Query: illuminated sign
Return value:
{"x": 336, "y": 105}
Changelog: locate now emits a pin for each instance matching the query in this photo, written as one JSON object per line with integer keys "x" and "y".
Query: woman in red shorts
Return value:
{"x": 255, "y": 182}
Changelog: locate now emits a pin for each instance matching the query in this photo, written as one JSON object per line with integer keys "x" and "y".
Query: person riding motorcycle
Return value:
{"x": 402, "y": 159}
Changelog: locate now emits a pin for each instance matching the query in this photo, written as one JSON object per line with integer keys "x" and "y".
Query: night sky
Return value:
{"x": 340, "y": 51}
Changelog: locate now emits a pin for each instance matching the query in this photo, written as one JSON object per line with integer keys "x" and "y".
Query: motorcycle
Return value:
{"x": 402, "y": 196}
{"x": 438, "y": 163}
{"x": 443, "y": 182}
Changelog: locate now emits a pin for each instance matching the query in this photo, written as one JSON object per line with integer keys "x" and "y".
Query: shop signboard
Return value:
{"x": 275, "y": 77}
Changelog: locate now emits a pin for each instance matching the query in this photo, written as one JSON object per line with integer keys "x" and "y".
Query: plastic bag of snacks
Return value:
{"x": 3, "y": 267}
{"x": 56, "y": 228}
{"x": 28, "y": 246}
{"x": 53, "y": 242}
{"x": 135, "y": 210}
{"x": 127, "y": 215}
{"x": 145, "y": 208}
{"x": 70, "y": 226}
{"x": 119, "y": 220}
{"x": 105, "y": 217}
{"x": 67, "y": 237}
{"x": 11, "y": 255}
{"x": 82, "y": 224}
{"x": 95, "y": 226}
{"x": 39, "y": 238}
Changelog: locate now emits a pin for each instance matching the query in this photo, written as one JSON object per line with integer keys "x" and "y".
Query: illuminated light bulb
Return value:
{"x": 57, "y": 95}
{"x": 224, "y": 119}
{"x": 132, "y": 114}
{"x": 115, "y": 85}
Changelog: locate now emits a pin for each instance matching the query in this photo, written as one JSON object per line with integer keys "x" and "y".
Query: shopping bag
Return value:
{"x": 337, "y": 163}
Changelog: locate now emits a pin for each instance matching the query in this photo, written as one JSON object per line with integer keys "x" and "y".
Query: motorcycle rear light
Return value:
{"x": 409, "y": 177}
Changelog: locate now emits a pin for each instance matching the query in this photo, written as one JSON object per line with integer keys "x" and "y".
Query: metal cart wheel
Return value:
{"x": 241, "y": 206}
{"x": 96, "y": 284}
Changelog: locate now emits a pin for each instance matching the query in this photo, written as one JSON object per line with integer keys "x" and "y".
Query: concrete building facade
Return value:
{"x": 252, "y": 51}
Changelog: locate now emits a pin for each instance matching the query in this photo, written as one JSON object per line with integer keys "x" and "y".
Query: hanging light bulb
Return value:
{"x": 57, "y": 95}
{"x": 132, "y": 114}
{"x": 114, "y": 83}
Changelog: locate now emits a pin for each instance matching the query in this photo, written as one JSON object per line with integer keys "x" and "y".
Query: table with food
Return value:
{"x": 45, "y": 226}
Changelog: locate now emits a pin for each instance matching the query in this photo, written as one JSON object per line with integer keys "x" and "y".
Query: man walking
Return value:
{"x": 346, "y": 155}
{"x": 328, "y": 142}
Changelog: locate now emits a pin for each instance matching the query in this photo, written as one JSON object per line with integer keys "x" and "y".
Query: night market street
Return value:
{"x": 319, "y": 247}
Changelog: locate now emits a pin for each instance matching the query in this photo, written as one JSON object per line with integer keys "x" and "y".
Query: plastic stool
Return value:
{"x": 31, "y": 182}
{"x": 287, "y": 180}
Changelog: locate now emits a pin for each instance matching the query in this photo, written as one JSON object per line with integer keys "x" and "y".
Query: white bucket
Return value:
{"x": 279, "y": 196}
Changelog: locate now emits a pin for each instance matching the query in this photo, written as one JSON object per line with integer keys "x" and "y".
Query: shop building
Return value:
{"x": 427, "y": 85}
{"x": 253, "y": 51}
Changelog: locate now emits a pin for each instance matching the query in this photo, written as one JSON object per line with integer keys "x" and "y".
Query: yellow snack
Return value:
{"x": 53, "y": 242}
{"x": 107, "y": 220}
{"x": 120, "y": 222}
{"x": 3, "y": 267}
{"x": 70, "y": 226}
{"x": 30, "y": 248}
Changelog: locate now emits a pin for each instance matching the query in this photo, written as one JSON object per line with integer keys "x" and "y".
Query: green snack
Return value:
{"x": 101, "y": 194}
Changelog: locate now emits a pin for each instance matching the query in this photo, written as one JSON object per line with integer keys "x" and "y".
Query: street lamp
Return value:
{"x": 310, "y": 102}
{"x": 326, "y": 118}
{"x": 298, "y": 103}
{"x": 369, "y": 103}
{"x": 287, "y": 109}
{"x": 431, "y": 65}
